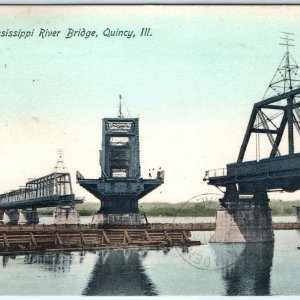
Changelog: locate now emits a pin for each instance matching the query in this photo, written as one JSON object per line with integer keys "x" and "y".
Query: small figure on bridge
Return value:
{"x": 160, "y": 173}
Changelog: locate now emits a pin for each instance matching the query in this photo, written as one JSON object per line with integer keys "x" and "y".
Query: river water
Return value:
{"x": 209, "y": 269}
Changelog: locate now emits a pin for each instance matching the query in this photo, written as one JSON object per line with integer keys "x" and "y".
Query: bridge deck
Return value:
{"x": 39, "y": 202}
{"x": 272, "y": 173}
{"x": 50, "y": 190}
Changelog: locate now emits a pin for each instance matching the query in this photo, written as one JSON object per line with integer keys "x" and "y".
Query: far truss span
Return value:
{"x": 47, "y": 191}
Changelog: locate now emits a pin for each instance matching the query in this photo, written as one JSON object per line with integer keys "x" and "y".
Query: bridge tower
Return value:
{"x": 246, "y": 215}
{"x": 64, "y": 213}
{"x": 120, "y": 186}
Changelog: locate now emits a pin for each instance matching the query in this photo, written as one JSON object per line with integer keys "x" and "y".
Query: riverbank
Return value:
{"x": 182, "y": 209}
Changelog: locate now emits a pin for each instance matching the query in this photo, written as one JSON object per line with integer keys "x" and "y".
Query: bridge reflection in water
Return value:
{"x": 120, "y": 272}
{"x": 116, "y": 272}
{"x": 250, "y": 273}
{"x": 243, "y": 269}
{"x": 55, "y": 262}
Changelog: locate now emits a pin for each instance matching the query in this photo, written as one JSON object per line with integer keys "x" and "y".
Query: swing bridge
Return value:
{"x": 272, "y": 117}
{"x": 246, "y": 215}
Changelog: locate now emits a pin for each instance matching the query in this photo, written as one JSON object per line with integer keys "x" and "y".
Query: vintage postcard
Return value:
{"x": 150, "y": 150}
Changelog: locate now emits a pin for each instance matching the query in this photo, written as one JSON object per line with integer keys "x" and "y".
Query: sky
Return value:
{"x": 192, "y": 83}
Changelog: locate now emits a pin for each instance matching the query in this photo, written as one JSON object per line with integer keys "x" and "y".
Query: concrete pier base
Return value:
{"x": 28, "y": 217}
{"x": 120, "y": 219}
{"x": 66, "y": 215}
{"x": 1, "y": 216}
{"x": 243, "y": 225}
{"x": 11, "y": 216}
{"x": 298, "y": 213}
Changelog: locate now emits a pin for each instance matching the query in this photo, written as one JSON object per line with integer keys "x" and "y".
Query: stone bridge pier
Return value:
{"x": 28, "y": 216}
{"x": 66, "y": 214}
{"x": 10, "y": 216}
{"x": 298, "y": 213}
{"x": 243, "y": 225}
{"x": 244, "y": 220}
{"x": 23, "y": 216}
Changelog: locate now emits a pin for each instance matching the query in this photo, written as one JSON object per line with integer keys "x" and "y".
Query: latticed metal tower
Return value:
{"x": 286, "y": 76}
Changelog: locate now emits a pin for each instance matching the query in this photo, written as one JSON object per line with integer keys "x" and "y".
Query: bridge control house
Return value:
{"x": 120, "y": 186}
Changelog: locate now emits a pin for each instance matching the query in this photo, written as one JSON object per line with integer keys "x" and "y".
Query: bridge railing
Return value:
{"x": 215, "y": 173}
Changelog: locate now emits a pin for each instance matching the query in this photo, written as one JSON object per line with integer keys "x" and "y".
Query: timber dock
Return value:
{"x": 212, "y": 226}
{"x": 25, "y": 239}
{"x": 28, "y": 239}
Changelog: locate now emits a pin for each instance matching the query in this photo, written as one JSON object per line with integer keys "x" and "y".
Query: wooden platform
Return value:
{"x": 212, "y": 226}
{"x": 27, "y": 239}
{"x": 286, "y": 226}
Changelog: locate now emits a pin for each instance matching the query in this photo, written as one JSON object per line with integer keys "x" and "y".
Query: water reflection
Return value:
{"x": 54, "y": 262}
{"x": 244, "y": 269}
{"x": 120, "y": 272}
{"x": 116, "y": 272}
{"x": 5, "y": 260}
{"x": 250, "y": 274}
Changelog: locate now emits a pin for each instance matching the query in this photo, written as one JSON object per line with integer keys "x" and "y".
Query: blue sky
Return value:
{"x": 193, "y": 85}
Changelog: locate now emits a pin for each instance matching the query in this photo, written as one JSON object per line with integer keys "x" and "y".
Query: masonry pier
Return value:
{"x": 243, "y": 224}
{"x": 28, "y": 216}
{"x": 11, "y": 216}
{"x": 138, "y": 218}
{"x": 66, "y": 214}
{"x": 298, "y": 213}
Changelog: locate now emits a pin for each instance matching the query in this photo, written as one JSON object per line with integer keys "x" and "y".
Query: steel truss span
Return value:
{"x": 47, "y": 191}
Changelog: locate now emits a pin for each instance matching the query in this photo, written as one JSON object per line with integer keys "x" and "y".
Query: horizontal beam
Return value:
{"x": 296, "y": 105}
{"x": 271, "y": 131}
{"x": 280, "y": 107}
{"x": 47, "y": 177}
{"x": 263, "y": 103}
{"x": 47, "y": 201}
{"x": 270, "y": 106}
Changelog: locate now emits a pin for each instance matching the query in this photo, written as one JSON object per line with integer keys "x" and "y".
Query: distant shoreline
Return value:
{"x": 181, "y": 209}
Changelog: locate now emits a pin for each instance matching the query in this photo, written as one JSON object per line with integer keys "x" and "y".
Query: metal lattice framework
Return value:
{"x": 120, "y": 186}
{"x": 280, "y": 103}
{"x": 289, "y": 118}
{"x": 50, "y": 190}
{"x": 249, "y": 181}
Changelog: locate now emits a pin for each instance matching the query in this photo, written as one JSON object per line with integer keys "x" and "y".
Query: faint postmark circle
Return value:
{"x": 206, "y": 256}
